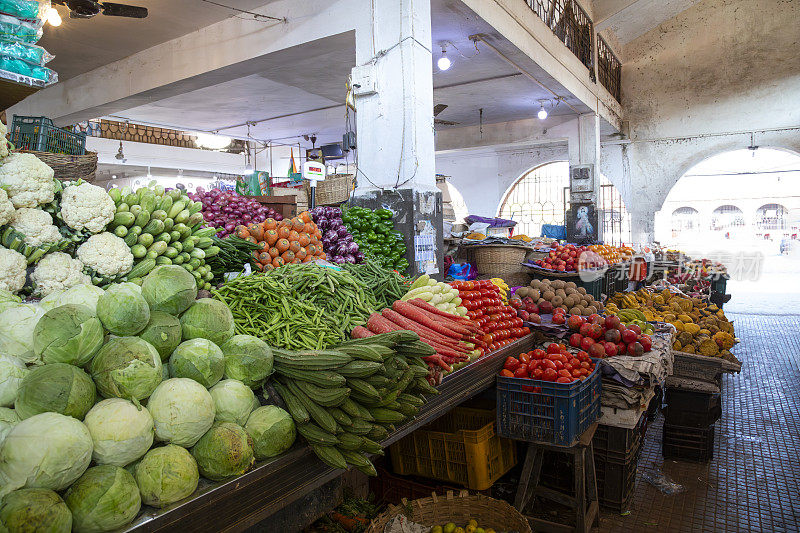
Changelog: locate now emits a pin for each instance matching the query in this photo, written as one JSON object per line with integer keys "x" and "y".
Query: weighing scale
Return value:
{"x": 313, "y": 171}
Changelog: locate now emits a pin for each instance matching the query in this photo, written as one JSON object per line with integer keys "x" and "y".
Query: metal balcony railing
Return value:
{"x": 609, "y": 69}
{"x": 570, "y": 23}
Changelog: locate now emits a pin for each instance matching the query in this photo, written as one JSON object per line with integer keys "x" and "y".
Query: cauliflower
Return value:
{"x": 3, "y": 141}
{"x": 106, "y": 254}
{"x": 28, "y": 181}
{"x": 36, "y": 225}
{"x": 87, "y": 206}
{"x": 58, "y": 271}
{"x": 12, "y": 270}
{"x": 6, "y": 207}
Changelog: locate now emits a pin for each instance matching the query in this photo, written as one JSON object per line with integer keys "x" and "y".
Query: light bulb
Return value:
{"x": 542, "y": 114}
{"x": 248, "y": 168}
{"x": 444, "y": 61}
{"x": 52, "y": 17}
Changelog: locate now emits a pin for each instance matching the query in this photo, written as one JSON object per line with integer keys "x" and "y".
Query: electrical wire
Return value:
{"x": 256, "y": 16}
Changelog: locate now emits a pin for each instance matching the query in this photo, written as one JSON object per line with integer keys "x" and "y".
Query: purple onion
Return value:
{"x": 338, "y": 259}
{"x": 349, "y": 258}
{"x": 352, "y": 248}
{"x": 342, "y": 231}
{"x": 359, "y": 256}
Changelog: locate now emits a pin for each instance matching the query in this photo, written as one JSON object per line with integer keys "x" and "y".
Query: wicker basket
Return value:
{"x": 499, "y": 260}
{"x": 69, "y": 167}
{"x": 334, "y": 190}
{"x": 457, "y": 508}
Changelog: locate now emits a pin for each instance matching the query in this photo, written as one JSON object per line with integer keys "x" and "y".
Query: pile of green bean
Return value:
{"x": 234, "y": 254}
{"x": 297, "y": 307}
{"x": 386, "y": 285}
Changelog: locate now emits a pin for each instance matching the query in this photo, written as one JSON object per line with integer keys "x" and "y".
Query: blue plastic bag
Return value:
{"x": 462, "y": 271}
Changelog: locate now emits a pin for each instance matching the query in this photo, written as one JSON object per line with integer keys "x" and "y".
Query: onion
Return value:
{"x": 342, "y": 231}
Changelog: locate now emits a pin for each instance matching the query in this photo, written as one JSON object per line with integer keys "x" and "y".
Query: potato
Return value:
{"x": 575, "y": 310}
{"x": 549, "y": 295}
{"x": 535, "y": 294}
{"x": 557, "y": 301}
{"x": 522, "y": 292}
{"x": 591, "y": 310}
{"x": 581, "y": 290}
{"x": 558, "y": 284}
{"x": 560, "y": 292}
{"x": 570, "y": 285}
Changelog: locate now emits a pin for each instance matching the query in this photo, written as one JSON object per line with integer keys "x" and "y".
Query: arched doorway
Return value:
{"x": 742, "y": 208}
{"x": 541, "y": 196}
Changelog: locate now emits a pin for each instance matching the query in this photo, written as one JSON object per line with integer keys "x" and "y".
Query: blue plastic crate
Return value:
{"x": 41, "y": 135}
{"x": 543, "y": 411}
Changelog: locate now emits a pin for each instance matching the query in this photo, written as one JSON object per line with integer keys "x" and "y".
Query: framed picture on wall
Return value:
{"x": 582, "y": 223}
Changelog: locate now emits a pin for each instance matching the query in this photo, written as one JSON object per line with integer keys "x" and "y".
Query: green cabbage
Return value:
{"x": 8, "y": 419}
{"x": 197, "y": 359}
{"x": 182, "y": 410}
{"x": 48, "y": 451}
{"x": 233, "y": 401}
{"x": 69, "y": 333}
{"x": 208, "y": 319}
{"x": 82, "y": 294}
{"x": 126, "y": 367}
{"x": 12, "y": 370}
{"x": 248, "y": 359}
{"x": 121, "y": 432}
{"x": 169, "y": 288}
{"x": 17, "y": 323}
{"x": 104, "y": 498}
{"x": 58, "y": 388}
{"x": 272, "y": 431}
{"x": 123, "y": 310}
{"x": 226, "y": 450}
{"x": 163, "y": 332}
{"x": 166, "y": 475}
{"x": 31, "y": 510}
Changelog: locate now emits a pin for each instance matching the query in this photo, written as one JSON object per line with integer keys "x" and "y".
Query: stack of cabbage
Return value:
{"x": 117, "y": 398}
{"x": 77, "y": 233}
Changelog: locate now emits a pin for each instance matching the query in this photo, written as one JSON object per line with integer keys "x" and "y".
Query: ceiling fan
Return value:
{"x": 438, "y": 108}
{"x": 85, "y": 9}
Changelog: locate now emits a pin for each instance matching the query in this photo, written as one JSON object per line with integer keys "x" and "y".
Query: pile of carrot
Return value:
{"x": 453, "y": 337}
{"x": 289, "y": 241}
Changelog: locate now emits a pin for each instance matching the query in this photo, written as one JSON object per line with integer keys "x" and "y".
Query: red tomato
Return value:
{"x": 565, "y": 373}
{"x": 550, "y": 374}
{"x": 586, "y": 365}
{"x": 576, "y": 373}
{"x": 512, "y": 363}
{"x": 521, "y": 371}
{"x": 538, "y": 353}
{"x": 553, "y": 348}
{"x": 524, "y": 358}
{"x": 575, "y": 340}
{"x": 507, "y": 373}
{"x": 537, "y": 373}
{"x": 559, "y": 365}
{"x": 568, "y": 366}
{"x": 575, "y": 361}
{"x": 548, "y": 363}
{"x": 558, "y": 357}
{"x": 563, "y": 379}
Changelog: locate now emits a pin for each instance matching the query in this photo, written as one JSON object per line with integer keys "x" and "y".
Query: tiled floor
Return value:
{"x": 753, "y": 481}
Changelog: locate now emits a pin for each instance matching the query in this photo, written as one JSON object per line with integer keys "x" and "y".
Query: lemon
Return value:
{"x": 436, "y": 529}
{"x": 459, "y": 530}
{"x": 449, "y": 528}
{"x": 473, "y": 523}
{"x": 469, "y": 529}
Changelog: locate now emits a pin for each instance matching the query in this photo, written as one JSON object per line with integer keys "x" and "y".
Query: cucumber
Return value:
{"x": 123, "y": 207}
{"x": 146, "y": 239}
{"x": 154, "y": 227}
{"x": 158, "y": 247}
{"x": 330, "y": 456}
{"x": 313, "y": 361}
{"x": 166, "y": 204}
{"x": 115, "y": 195}
{"x": 205, "y": 232}
{"x": 196, "y": 207}
{"x": 176, "y": 208}
{"x": 183, "y": 216}
{"x": 131, "y": 238}
{"x": 295, "y": 408}
{"x": 179, "y": 260}
{"x": 183, "y": 229}
{"x": 185, "y": 256}
{"x": 124, "y": 218}
{"x": 410, "y": 399}
{"x": 197, "y": 253}
{"x": 204, "y": 242}
{"x": 175, "y": 194}
{"x": 377, "y": 433}
{"x": 195, "y": 262}
{"x": 212, "y": 251}
{"x": 138, "y": 251}
{"x": 174, "y": 235}
{"x": 121, "y": 231}
{"x": 341, "y": 417}
{"x": 163, "y": 260}
{"x": 164, "y": 237}
{"x": 136, "y": 210}
{"x": 406, "y": 409}
{"x": 143, "y": 218}
{"x": 149, "y": 201}
{"x": 131, "y": 199}
{"x": 315, "y": 435}
{"x": 370, "y": 446}
{"x": 142, "y": 268}
{"x": 177, "y": 245}
{"x": 188, "y": 245}
{"x": 186, "y": 266}
{"x": 363, "y": 388}
{"x": 387, "y": 416}
{"x": 321, "y": 378}
{"x": 360, "y": 426}
{"x": 360, "y": 369}
{"x": 378, "y": 381}
{"x": 349, "y": 441}
{"x": 208, "y": 276}
{"x": 355, "y": 458}
{"x": 195, "y": 219}
{"x": 168, "y": 224}
{"x": 171, "y": 252}
{"x": 159, "y": 214}
{"x": 367, "y": 352}
{"x": 320, "y": 415}
{"x": 326, "y": 397}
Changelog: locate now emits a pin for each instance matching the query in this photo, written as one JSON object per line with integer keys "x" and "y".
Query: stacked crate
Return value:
{"x": 689, "y": 418}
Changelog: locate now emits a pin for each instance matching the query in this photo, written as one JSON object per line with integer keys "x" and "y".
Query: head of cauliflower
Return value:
{"x": 87, "y": 206}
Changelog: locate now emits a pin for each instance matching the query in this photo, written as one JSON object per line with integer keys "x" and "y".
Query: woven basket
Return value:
{"x": 334, "y": 190}
{"x": 499, "y": 259}
{"x": 69, "y": 167}
{"x": 457, "y": 508}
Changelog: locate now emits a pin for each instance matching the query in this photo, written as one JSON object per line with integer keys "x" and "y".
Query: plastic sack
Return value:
{"x": 24, "y": 9}
{"x": 23, "y": 68}
{"x": 30, "y": 53}
{"x": 14, "y": 29}
{"x": 462, "y": 271}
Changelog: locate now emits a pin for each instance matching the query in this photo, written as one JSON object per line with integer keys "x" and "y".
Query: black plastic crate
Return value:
{"x": 619, "y": 444}
{"x": 675, "y": 417}
{"x": 619, "y": 480}
{"x": 681, "y": 400}
{"x": 694, "y": 444}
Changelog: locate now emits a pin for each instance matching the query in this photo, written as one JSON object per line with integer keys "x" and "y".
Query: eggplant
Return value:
{"x": 322, "y": 222}
{"x": 352, "y": 248}
{"x": 349, "y": 258}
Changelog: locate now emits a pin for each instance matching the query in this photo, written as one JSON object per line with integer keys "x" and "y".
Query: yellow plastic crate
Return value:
{"x": 461, "y": 447}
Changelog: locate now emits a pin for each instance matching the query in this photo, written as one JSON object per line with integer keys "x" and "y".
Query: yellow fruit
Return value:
{"x": 490, "y": 530}
{"x": 479, "y": 530}
{"x": 473, "y": 523}
{"x": 436, "y": 529}
{"x": 459, "y": 530}
{"x": 449, "y": 527}
{"x": 469, "y": 529}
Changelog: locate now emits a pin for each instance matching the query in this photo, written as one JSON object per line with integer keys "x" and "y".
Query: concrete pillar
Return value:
{"x": 642, "y": 226}
{"x": 395, "y": 122}
{"x": 584, "y": 149}
{"x": 393, "y": 92}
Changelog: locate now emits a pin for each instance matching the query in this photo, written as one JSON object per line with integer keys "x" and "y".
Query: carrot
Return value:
{"x": 378, "y": 324}
{"x": 360, "y": 332}
{"x": 461, "y": 329}
{"x": 417, "y": 315}
{"x": 438, "y": 361}
{"x": 422, "y": 330}
{"x": 419, "y": 302}
{"x": 449, "y": 350}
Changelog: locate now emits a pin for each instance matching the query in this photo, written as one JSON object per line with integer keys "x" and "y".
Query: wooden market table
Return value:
{"x": 244, "y": 501}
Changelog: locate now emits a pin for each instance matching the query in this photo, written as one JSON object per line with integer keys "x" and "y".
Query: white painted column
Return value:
{"x": 395, "y": 123}
{"x": 589, "y": 145}
{"x": 642, "y": 226}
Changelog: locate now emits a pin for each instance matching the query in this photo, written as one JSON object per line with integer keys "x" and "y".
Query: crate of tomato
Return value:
{"x": 549, "y": 396}
{"x": 484, "y": 305}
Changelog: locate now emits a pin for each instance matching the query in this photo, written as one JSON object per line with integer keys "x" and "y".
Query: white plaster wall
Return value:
{"x": 697, "y": 85}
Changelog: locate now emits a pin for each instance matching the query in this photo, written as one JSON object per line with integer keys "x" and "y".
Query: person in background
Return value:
{"x": 640, "y": 270}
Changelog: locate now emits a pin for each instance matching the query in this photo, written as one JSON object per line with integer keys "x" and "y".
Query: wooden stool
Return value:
{"x": 584, "y": 502}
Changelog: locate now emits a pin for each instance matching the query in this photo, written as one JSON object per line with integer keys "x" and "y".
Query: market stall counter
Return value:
{"x": 245, "y": 501}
